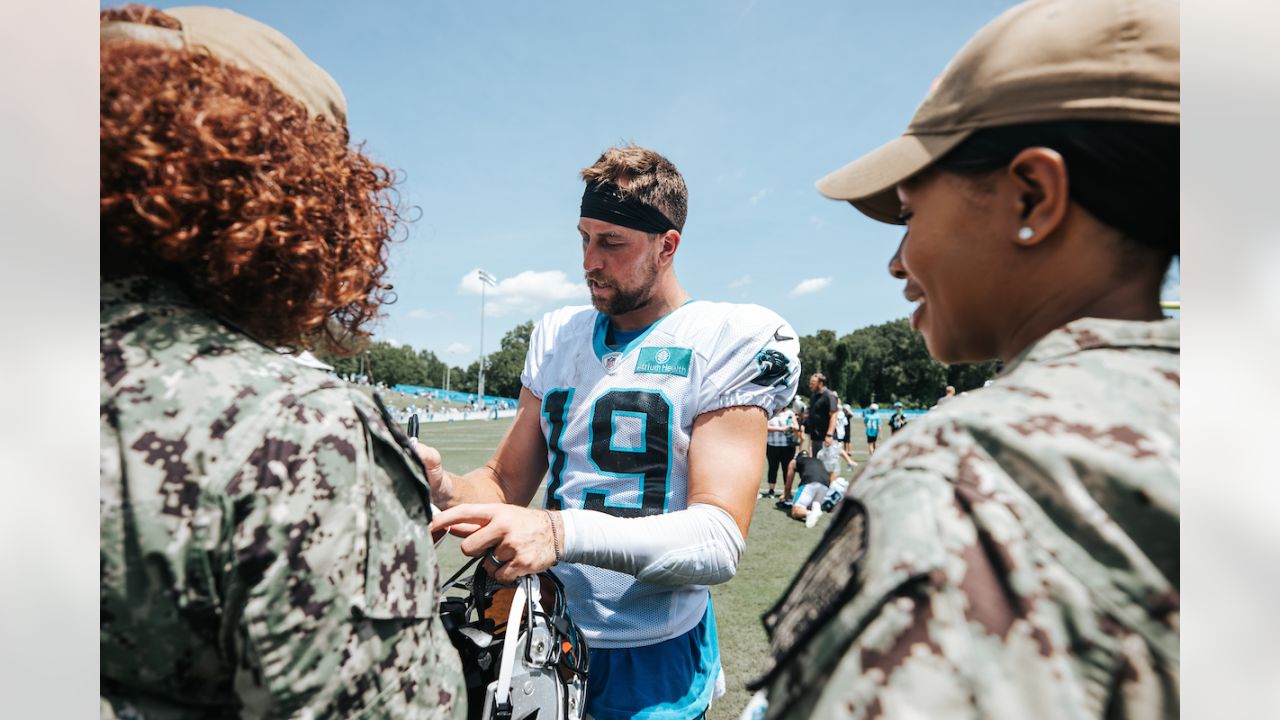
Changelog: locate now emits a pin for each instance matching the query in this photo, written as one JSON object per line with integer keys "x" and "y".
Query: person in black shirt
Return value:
{"x": 821, "y": 425}
{"x": 817, "y": 475}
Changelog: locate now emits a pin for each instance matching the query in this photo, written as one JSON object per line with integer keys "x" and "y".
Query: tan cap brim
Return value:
{"x": 870, "y": 182}
{"x": 246, "y": 44}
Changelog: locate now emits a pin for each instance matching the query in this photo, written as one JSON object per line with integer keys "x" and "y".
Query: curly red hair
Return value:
{"x": 213, "y": 178}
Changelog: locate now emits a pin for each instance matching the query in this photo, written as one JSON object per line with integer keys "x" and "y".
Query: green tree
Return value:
{"x": 466, "y": 380}
{"x": 395, "y": 364}
{"x": 970, "y": 376}
{"x": 434, "y": 368}
{"x": 838, "y": 376}
{"x": 909, "y": 374}
{"x": 343, "y": 365}
{"x": 855, "y": 382}
{"x": 816, "y": 353}
{"x": 886, "y": 363}
{"x": 502, "y": 368}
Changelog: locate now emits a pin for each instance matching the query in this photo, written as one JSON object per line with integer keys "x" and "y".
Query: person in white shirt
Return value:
{"x": 783, "y": 437}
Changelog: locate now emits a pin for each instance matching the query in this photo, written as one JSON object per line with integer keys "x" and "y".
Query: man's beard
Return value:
{"x": 622, "y": 300}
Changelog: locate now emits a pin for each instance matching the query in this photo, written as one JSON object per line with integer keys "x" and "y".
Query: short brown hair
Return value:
{"x": 649, "y": 177}
{"x": 214, "y": 179}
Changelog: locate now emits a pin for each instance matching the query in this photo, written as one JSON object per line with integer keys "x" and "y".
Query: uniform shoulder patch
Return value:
{"x": 825, "y": 582}
{"x": 774, "y": 368}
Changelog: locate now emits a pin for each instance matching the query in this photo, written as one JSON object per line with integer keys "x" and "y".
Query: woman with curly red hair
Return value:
{"x": 264, "y": 546}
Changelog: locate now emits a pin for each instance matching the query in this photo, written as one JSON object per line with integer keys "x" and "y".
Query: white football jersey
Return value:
{"x": 830, "y": 457}
{"x": 617, "y": 425}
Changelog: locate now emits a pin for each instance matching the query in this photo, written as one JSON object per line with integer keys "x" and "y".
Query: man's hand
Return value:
{"x": 520, "y": 538}
{"x": 826, "y": 442}
{"x": 512, "y": 475}
{"x": 439, "y": 480}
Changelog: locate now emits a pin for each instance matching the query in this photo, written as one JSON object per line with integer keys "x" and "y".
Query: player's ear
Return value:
{"x": 670, "y": 241}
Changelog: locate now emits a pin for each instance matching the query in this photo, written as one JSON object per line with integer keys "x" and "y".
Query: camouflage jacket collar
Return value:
{"x": 1095, "y": 333}
{"x": 141, "y": 289}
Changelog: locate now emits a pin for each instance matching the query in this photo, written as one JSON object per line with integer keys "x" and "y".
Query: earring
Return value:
{"x": 1026, "y": 233}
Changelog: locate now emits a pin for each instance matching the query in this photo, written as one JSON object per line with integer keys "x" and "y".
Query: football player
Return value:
{"x": 646, "y": 411}
{"x": 817, "y": 476}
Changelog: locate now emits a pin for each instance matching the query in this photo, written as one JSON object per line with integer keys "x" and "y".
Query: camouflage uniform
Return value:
{"x": 265, "y": 550}
{"x": 1013, "y": 554}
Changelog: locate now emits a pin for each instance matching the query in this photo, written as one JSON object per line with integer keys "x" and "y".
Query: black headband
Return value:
{"x": 605, "y": 201}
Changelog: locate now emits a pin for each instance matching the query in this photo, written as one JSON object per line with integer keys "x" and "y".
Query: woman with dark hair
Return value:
{"x": 264, "y": 529}
{"x": 1014, "y": 553}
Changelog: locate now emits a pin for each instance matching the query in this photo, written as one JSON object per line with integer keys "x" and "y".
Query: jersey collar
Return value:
{"x": 602, "y": 327}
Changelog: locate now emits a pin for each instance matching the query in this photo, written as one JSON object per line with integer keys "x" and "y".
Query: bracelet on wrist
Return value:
{"x": 555, "y": 537}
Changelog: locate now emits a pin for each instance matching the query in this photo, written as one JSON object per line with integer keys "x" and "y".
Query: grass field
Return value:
{"x": 776, "y": 545}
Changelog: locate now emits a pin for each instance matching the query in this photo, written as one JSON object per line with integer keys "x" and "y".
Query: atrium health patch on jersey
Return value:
{"x": 664, "y": 361}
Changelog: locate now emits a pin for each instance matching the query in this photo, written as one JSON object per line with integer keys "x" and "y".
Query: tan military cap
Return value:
{"x": 248, "y": 45}
{"x": 1043, "y": 60}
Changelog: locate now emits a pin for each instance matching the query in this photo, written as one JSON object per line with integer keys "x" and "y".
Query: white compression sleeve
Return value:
{"x": 700, "y": 545}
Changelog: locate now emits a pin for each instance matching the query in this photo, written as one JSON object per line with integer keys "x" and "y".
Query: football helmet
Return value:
{"x": 522, "y": 655}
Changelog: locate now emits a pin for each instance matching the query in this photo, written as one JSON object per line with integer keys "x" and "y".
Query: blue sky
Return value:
{"x": 490, "y": 109}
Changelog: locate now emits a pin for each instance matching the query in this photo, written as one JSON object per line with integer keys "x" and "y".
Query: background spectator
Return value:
{"x": 842, "y": 422}
{"x": 781, "y": 445}
{"x": 898, "y": 420}
{"x": 947, "y": 395}
{"x": 871, "y": 418}
{"x": 821, "y": 425}
{"x": 847, "y": 412}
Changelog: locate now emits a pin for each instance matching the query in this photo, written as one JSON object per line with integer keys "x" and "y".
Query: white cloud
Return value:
{"x": 458, "y": 349}
{"x": 755, "y": 199}
{"x": 741, "y": 282}
{"x": 817, "y": 222}
{"x": 525, "y": 292}
{"x": 422, "y": 314}
{"x": 811, "y": 285}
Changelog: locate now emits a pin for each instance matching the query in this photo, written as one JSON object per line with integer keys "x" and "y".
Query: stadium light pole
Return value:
{"x": 485, "y": 281}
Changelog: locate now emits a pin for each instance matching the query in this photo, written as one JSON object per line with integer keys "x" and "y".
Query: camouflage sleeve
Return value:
{"x": 332, "y": 573}
{"x": 951, "y": 609}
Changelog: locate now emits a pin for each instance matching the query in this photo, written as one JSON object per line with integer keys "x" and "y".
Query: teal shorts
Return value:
{"x": 671, "y": 680}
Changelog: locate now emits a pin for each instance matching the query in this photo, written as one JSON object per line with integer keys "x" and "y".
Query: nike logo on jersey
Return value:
{"x": 777, "y": 335}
